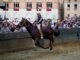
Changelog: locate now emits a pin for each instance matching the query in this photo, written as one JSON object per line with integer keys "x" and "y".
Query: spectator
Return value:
{"x": 5, "y": 28}
{"x": 23, "y": 29}
{"x": 0, "y": 18}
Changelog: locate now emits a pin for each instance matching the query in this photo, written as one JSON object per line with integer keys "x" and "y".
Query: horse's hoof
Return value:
{"x": 34, "y": 46}
{"x": 50, "y": 49}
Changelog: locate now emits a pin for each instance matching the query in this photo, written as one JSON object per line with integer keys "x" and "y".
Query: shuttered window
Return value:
{"x": 49, "y": 6}
{"x": 29, "y": 6}
{"x": 16, "y": 6}
{"x": 6, "y": 6}
{"x": 38, "y": 6}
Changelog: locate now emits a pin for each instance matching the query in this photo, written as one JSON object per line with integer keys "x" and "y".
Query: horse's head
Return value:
{"x": 24, "y": 22}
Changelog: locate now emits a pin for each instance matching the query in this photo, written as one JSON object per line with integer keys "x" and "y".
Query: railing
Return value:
{"x": 69, "y": 35}
{"x": 22, "y": 40}
{"x": 64, "y": 34}
{"x": 15, "y": 41}
{"x": 13, "y": 35}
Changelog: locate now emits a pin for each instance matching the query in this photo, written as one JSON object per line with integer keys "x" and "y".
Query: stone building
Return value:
{"x": 29, "y": 9}
{"x": 71, "y": 8}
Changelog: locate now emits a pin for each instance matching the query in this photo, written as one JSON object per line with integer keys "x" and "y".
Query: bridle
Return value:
{"x": 24, "y": 22}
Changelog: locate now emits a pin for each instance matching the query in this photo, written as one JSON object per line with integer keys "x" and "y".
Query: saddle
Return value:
{"x": 45, "y": 25}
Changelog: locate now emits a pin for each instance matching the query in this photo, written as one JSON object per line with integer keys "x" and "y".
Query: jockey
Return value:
{"x": 39, "y": 18}
{"x": 38, "y": 23}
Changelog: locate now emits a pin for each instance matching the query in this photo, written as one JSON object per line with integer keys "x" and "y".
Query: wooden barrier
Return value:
{"x": 15, "y": 41}
{"x": 68, "y": 35}
{"x": 22, "y": 40}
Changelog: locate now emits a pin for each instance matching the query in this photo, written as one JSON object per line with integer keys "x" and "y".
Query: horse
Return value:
{"x": 48, "y": 32}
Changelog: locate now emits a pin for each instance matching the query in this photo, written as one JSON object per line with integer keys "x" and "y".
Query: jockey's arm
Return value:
{"x": 40, "y": 21}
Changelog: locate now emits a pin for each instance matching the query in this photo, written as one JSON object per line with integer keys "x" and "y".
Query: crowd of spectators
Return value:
{"x": 9, "y": 26}
{"x": 68, "y": 23}
{"x": 73, "y": 22}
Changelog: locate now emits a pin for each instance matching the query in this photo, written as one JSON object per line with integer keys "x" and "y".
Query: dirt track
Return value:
{"x": 62, "y": 51}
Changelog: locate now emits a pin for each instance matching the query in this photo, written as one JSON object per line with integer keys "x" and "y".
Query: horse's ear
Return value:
{"x": 25, "y": 19}
{"x": 22, "y": 18}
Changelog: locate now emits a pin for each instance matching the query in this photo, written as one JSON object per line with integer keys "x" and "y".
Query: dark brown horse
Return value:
{"x": 35, "y": 34}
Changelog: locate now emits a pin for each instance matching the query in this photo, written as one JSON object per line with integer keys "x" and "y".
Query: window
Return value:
{"x": 6, "y": 6}
{"x": 68, "y": 15}
{"x": 48, "y": 0}
{"x": 75, "y": 0}
{"x": 38, "y": 0}
{"x": 75, "y": 6}
{"x": 29, "y": 6}
{"x": 16, "y": 6}
{"x": 68, "y": 7}
{"x": 10, "y": 0}
{"x": 15, "y": 0}
{"x": 38, "y": 6}
{"x": 29, "y": 0}
{"x": 49, "y": 6}
{"x": 69, "y": 0}
{"x": 75, "y": 14}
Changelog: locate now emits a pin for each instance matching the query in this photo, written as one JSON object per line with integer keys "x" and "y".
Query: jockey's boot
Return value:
{"x": 41, "y": 34}
{"x": 40, "y": 31}
{"x": 41, "y": 37}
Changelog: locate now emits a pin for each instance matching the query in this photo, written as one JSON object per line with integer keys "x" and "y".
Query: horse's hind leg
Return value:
{"x": 51, "y": 43}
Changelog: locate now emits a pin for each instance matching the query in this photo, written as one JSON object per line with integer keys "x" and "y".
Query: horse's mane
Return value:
{"x": 28, "y": 22}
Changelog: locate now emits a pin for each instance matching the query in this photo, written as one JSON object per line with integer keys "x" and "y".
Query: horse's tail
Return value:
{"x": 56, "y": 32}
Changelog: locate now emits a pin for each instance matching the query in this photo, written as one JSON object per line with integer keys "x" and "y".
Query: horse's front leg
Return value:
{"x": 33, "y": 41}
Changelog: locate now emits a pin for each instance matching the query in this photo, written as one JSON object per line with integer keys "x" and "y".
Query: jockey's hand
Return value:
{"x": 34, "y": 24}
